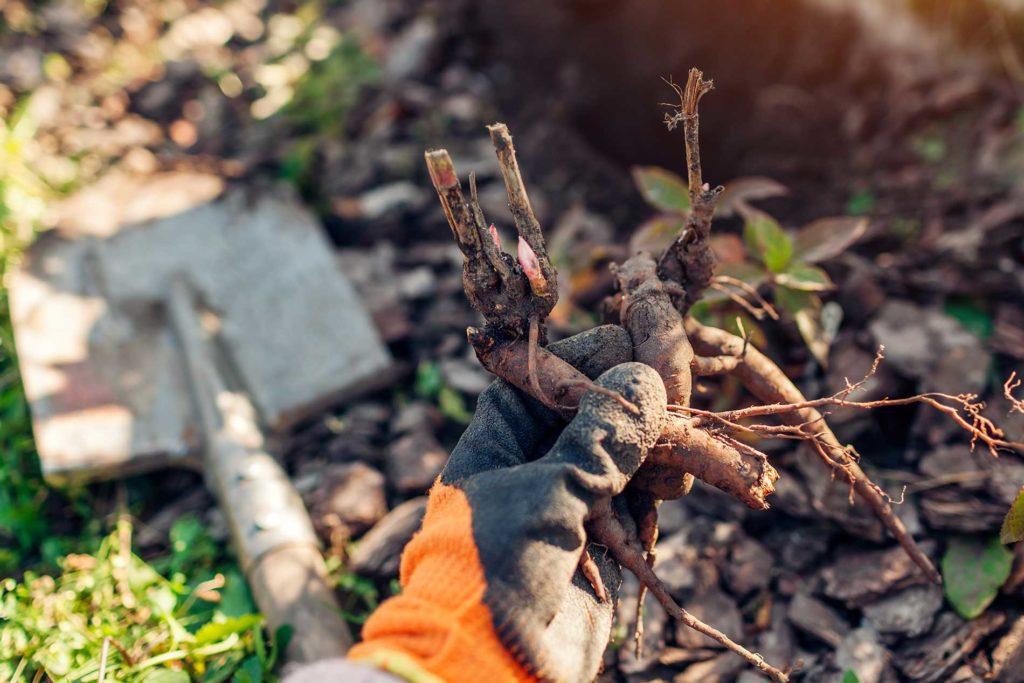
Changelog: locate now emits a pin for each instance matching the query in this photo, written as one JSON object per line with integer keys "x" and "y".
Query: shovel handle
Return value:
{"x": 269, "y": 524}
{"x": 277, "y": 548}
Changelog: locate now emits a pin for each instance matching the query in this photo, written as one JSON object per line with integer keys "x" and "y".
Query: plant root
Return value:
{"x": 604, "y": 528}
{"x": 766, "y": 381}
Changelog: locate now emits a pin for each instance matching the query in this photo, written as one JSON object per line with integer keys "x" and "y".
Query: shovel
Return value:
{"x": 165, "y": 321}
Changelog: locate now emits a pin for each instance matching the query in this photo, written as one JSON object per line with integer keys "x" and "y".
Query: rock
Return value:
{"x": 674, "y": 563}
{"x": 715, "y": 608}
{"x": 857, "y": 578}
{"x": 861, "y": 653}
{"x": 414, "y": 461}
{"x": 379, "y": 551}
{"x": 1006, "y": 477}
{"x": 348, "y": 498}
{"x": 386, "y": 201}
{"x": 907, "y": 613}
{"x": 748, "y": 568}
{"x": 655, "y": 623}
{"x": 818, "y": 619}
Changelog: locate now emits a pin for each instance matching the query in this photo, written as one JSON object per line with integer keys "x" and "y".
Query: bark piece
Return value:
{"x": 818, "y": 619}
{"x": 932, "y": 657}
{"x": 748, "y": 568}
{"x": 1008, "y": 657}
{"x": 348, "y": 498}
{"x": 857, "y": 578}
{"x": 861, "y": 653}
{"x": 907, "y": 613}
{"x": 414, "y": 461}
{"x": 380, "y": 550}
{"x": 714, "y": 607}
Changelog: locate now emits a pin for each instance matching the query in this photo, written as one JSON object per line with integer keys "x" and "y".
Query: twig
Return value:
{"x": 763, "y": 307}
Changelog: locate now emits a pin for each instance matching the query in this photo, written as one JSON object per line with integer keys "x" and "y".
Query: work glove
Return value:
{"x": 490, "y": 585}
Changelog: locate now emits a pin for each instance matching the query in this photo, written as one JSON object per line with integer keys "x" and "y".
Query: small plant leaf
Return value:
{"x": 850, "y": 676}
{"x": 805, "y": 277}
{"x": 1012, "y": 530}
{"x": 738, "y": 193}
{"x": 973, "y": 569}
{"x": 215, "y": 631}
{"x": 656, "y": 234}
{"x": 662, "y": 189}
{"x": 827, "y": 238}
{"x": 805, "y": 309}
{"x": 767, "y": 241}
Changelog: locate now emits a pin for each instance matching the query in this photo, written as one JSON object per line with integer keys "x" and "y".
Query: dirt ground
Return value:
{"x": 929, "y": 149}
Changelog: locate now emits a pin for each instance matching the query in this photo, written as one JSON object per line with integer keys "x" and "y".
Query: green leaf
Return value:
{"x": 1013, "y": 524}
{"x": 973, "y": 570}
{"x": 805, "y": 309}
{"x": 166, "y": 676}
{"x": 850, "y": 676}
{"x": 656, "y": 234}
{"x": 860, "y": 203}
{"x": 767, "y": 240}
{"x": 805, "y": 277}
{"x": 972, "y": 316}
{"x": 428, "y": 380}
{"x": 213, "y": 632}
{"x": 251, "y": 671}
{"x": 827, "y": 238}
{"x": 450, "y": 402}
{"x": 662, "y": 189}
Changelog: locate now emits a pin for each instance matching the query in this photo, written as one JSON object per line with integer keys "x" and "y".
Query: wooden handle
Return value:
{"x": 269, "y": 524}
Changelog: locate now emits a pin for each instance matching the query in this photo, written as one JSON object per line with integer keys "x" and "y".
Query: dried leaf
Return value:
{"x": 827, "y": 238}
{"x": 1013, "y": 525}
{"x": 767, "y": 241}
{"x": 656, "y": 234}
{"x": 805, "y": 277}
{"x": 805, "y": 309}
{"x": 973, "y": 570}
{"x": 740, "y": 192}
{"x": 662, "y": 189}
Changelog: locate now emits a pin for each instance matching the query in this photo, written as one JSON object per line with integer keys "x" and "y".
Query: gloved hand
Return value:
{"x": 491, "y": 590}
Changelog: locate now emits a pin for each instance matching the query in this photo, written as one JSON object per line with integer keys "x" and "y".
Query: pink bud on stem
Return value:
{"x": 531, "y": 268}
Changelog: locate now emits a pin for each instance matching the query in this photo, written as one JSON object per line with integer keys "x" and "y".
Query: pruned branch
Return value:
{"x": 689, "y": 260}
